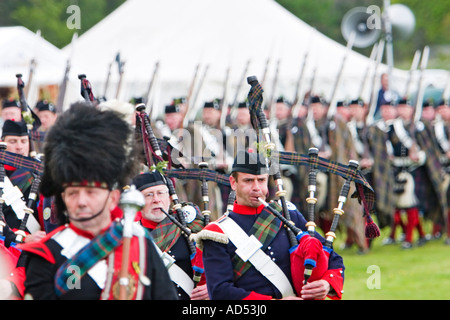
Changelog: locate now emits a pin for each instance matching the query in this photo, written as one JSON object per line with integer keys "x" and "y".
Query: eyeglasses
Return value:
{"x": 160, "y": 193}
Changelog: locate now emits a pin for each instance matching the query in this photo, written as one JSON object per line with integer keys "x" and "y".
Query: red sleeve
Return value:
{"x": 334, "y": 278}
{"x": 17, "y": 277}
{"x": 257, "y": 296}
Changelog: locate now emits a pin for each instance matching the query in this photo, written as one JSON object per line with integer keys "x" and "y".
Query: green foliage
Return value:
{"x": 50, "y": 16}
{"x": 432, "y": 24}
{"x": 160, "y": 167}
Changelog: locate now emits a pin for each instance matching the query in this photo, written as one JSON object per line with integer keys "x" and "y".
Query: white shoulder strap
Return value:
{"x": 176, "y": 274}
{"x": 249, "y": 249}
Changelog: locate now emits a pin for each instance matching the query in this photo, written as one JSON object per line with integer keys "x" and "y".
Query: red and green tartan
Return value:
{"x": 22, "y": 178}
{"x": 19, "y": 161}
{"x": 265, "y": 229}
{"x": 97, "y": 249}
{"x": 166, "y": 234}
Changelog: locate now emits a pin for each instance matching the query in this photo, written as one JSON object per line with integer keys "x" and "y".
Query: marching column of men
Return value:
{"x": 84, "y": 199}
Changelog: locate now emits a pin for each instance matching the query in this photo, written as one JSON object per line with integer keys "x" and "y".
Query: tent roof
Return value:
{"x": 20, "y": 46}
{"x": 216, "y": 35}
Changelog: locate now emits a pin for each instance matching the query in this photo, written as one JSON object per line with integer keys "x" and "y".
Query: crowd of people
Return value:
{"x": 63, "y": 232}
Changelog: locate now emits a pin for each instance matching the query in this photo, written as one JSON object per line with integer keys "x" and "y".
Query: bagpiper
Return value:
{"x": 88, "y": 160}
{"x": 246, "y": 252}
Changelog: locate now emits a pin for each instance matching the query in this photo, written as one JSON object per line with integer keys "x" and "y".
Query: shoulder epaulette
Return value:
{"x": 39, "y": 247}
{"x": 211, "y": 232}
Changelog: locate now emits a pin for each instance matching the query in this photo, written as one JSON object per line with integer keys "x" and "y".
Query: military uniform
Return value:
{"x": 78, "y": 262}
{"x": 148, "y": 276}
{"x": 233, "y": 273}
{"x": 407, "y": 174}
{"x": 207, "y": 144}
{"x": 332, "y": 137}
{"x": 172, "y": 243}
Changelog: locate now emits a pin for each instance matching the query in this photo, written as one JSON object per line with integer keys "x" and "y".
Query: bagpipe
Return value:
{"x": 154, "y": 156}
{"x": 17, "y": 237}
{"x": 29, "y": 117}
{"x": 86, "y": 89}
{"x": 309, "y": 258}
{"x": 11, "y": 253}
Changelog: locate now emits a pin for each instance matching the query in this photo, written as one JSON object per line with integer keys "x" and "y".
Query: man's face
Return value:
{"x": 86, "y": 202}
{"x": 12, "y": 113}
{"x": 242, "y": 116}
{"x": 428, "y": 113}
{"x": 388, "y": 112}
{"x": 47, "y": 118}
{"x": 405, "y": 111}
{"x": 156, "y": 197}
{"x": 17, "y": 144}
{"x": 385, "y": 81}
{"x": 282, "y": 111}
{"x": 357, "y": 112}
{"x": 319, "y": 111}
{"x": 444, "y": 111}
{"x": 173, "y": 120}
{"x": 249, "y": 188}
{"x": 211, "y": 116}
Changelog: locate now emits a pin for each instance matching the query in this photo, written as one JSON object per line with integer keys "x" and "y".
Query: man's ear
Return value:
{"x": 115, "y": 197}
{"x": 233, "y": 183}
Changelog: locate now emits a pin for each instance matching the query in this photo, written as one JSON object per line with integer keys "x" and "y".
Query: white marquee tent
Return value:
{"x": 215, "y": 35}
{"x": 19, "y": 47}
{"x": 181, "y": 35}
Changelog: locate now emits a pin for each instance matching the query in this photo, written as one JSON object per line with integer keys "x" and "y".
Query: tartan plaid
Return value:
{"x": 264, "y": 229}
{"x": 199, "y": 174}
{"x": 38, "y": 135}
{"x": 97, "y": 249}
{"x": 365, "y": 195}
{"x": 22, "y": 178}
{"x": 166, "y": 234}
{"x": 382, "y": 176}
{"x": 255, "y": 99}
{"x": 336, "y": 168}
{"x": 435, "y": 173}
{"x": 19, "y": 161}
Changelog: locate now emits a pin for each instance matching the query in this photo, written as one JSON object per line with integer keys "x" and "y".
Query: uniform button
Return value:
{"x": 331, "y": 276}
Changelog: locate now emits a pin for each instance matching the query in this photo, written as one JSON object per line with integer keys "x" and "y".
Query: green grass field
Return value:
{"x": 392, "y": 273}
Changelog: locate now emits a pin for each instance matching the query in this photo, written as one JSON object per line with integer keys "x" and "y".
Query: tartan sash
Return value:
{"x": 97, "y": 249}
{"x": 265, "y": 229}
